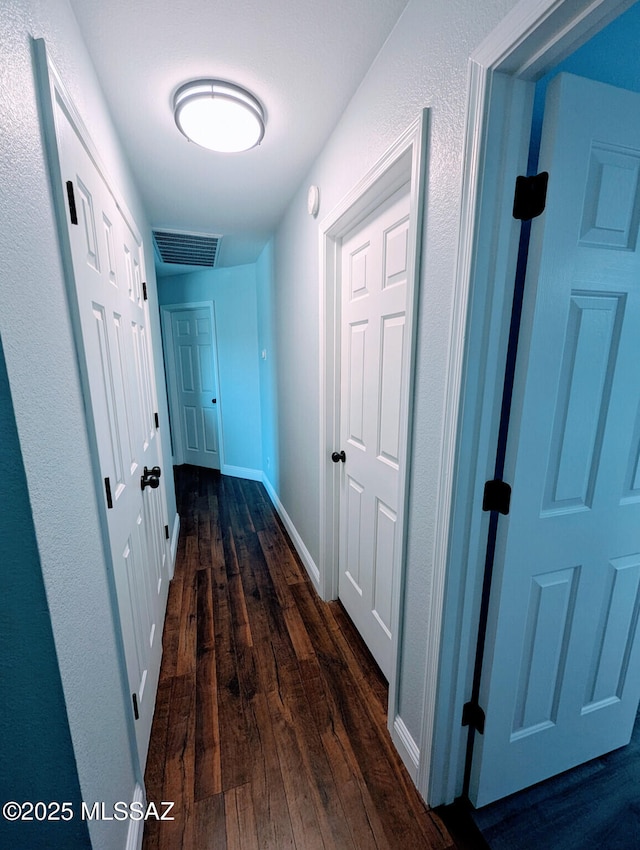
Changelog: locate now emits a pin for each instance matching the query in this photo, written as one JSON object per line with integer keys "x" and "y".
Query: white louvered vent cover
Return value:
{"x": 186, "y": 249}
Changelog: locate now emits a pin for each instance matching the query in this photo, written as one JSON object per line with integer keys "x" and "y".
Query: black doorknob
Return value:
{"x": 336, "y": 457}
{"x": 214, "y": 400}
{"x": 149, "y": 481}
{"x": 150, "y": 478}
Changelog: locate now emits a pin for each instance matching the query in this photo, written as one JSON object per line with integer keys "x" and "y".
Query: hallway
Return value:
{"x": 270, "y": 722}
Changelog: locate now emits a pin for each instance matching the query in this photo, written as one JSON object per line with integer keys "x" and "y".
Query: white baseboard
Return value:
{"x": 241, "y": 472}
{"x": 136, "y": 827}
{"x": 406, "y": 747}
{"x": 402, "y": 738}
{"x": 174, "y": 545}
{"x": 301, "y": 549}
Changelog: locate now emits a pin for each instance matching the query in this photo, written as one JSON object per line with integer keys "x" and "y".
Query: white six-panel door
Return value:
{"x": 560, "y": 681}
{"x": 374, "y": 336}
{"x": 108, "y": 271}
{"x": 196, "y": 386}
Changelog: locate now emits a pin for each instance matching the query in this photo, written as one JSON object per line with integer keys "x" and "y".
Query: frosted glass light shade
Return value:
{"x": 219, "y": 116}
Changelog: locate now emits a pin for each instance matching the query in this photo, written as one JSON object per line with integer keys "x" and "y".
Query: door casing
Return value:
{"x": 530, "y": 41}
{"x": 403, "y": 162}
{"x": 172, "y": 383}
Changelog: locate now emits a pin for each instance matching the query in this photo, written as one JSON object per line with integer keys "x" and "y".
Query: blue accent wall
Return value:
{"x": 233, "y": 293}
{"x": 37, "y": 761}
{"x": 612, "y": 56}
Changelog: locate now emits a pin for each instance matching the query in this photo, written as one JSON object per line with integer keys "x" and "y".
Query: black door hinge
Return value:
{"x": 136, "y": 713}
{"x": 107, "y": 487}
{"x": 530, "y": 197}
{"x": 157, "y": 420}
{"x": 497, "y": 496}
{"x": 71, "y": 197}
{"x": 144, "y": 290}
{"x": 474, "y": 716}
{"x": 166, "y": 531}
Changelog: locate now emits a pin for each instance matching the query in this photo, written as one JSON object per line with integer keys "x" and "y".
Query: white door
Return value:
{"x": 560, "y": 682}
{"x": 374, "y": 261}
{"x": 196, "y": 386}
{"x": 108, "y": 271}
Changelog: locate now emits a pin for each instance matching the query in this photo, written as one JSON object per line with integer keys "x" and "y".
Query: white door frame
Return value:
{"x": 532, "y": 39}
{"x": 403, "y": 163}
{"x": 166, "y": 311}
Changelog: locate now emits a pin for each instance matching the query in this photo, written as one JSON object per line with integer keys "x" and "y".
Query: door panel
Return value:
{"x": 384, "y": 548}
{"x": 107, "y": 265}
{"x": 562, "y": 629}
{"x": 356, "y": 383}
{"x": 197, "y": 393}
{"x": 391, "y": 357}
{"x": 354, "y": 533}
{"x": 374, "y": 259}
{"x": 588, "y": 364}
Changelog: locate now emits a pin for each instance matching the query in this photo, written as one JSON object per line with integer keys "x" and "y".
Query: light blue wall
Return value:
{"x": 267, "y": 343}
{"x": 233, "y": 292}
{"x": 37, "y": 754}
{"x": 612, "y": 56}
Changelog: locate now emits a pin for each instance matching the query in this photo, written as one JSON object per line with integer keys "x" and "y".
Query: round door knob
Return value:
{"x": 150, "y": 478}
{"x": 149, "y": 481}
{"x": 214, "y": 400}
{"x": 336, "y": 457}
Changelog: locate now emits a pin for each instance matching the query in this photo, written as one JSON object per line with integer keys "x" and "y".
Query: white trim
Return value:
{"x": 305, "y": 556}
{"x": 537, "y": 34}
{"x": 406, "y": 747}
{"x": 136, "y": 826}
{"x": 404, "y": 162}
{"x": 434, "y": 615}
{"x": 175, "y": 534}
{"x": 172, "y": 381}
{"x": 476, "y": 372}
{"x": 528, "y": 42}
{"x": 241, "y": 472}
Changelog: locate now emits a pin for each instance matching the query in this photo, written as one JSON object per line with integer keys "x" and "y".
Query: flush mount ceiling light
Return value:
{"x": 218, "y": 116}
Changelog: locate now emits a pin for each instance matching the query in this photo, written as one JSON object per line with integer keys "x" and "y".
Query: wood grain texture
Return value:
{"x": 270, "y": 724}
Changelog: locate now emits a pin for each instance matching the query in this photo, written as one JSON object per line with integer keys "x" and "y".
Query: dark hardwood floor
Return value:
{"x": 270, "y": 724}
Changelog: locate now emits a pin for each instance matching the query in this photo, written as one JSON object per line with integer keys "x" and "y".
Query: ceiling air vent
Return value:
{"x": 186, "y": 249}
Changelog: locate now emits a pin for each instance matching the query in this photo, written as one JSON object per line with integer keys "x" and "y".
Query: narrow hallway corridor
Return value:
{"x": 270, "y": 723}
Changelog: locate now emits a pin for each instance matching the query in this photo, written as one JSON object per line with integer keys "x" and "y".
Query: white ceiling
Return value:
{"x": 303, "y": 59}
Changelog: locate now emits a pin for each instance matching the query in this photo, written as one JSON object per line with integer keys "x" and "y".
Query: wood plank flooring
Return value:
{"x": 270, "y": 724}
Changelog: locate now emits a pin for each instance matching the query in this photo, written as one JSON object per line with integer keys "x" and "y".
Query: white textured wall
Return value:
{"x": 423, "y": 64}
{"x": 41, "y": 364}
